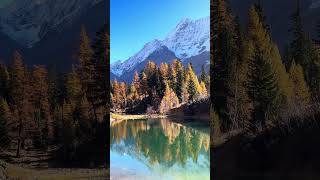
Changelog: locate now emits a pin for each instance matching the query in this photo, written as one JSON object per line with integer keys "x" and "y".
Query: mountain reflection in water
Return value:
{"x": 159, "y": 149}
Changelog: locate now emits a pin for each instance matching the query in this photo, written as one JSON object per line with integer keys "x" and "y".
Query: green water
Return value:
{"x": 159, "y": 149}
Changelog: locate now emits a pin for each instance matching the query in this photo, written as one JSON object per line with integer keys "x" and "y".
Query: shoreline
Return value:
{"x": 15, "y": 171}
{"x": 116, "y": 118}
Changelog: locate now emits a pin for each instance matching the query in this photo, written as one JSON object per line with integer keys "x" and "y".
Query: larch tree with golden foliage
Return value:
{"x": 169, "y": 100}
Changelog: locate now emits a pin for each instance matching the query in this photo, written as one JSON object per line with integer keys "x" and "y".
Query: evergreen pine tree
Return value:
{"x": 194, "y": 88}
{"x": 225, "y": 56}
{"x": 263, "y": 91}
{"x": 180, "y": 80}
{"x": 260, "y": 41}
{"x": 298, "y": 50}
{"x": 4, "y": 81}
{"x": 204, "y": 77}
{"x": 99, "y": 98}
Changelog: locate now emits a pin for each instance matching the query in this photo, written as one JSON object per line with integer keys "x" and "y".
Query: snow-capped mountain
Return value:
{"x": 118, "y": 67}
{"x": 47, "y": 32}
{"x": 28, "y": 21}
{"x": 190, "y": 38}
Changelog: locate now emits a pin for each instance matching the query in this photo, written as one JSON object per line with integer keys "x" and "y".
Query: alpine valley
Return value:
{"x": 189, "y": 42}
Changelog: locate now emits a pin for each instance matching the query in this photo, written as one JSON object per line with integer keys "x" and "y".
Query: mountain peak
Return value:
{"x": 152, "y": 43}
{"x": 183, "y": 21}
{"x": 189, "y": 38}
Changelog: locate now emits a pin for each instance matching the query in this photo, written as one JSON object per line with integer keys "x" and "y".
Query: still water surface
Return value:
{"x": 159, "y": 149}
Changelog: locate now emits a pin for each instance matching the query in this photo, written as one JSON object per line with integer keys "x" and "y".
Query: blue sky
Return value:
{"x": 136, "y": 22}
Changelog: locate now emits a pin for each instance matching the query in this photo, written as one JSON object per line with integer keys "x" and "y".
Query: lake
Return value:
{"x": 159, "y": 149}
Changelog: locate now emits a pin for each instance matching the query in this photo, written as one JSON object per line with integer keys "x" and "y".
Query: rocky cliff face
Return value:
{"x": 28, "y": 21}
{"x": 47, "y": 31}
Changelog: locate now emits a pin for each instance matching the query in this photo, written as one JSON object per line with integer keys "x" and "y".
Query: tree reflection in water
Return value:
{"x": 163, "y": 144}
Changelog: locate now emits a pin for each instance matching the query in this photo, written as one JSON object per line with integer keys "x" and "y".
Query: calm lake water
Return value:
{"x": 159, "y": 149}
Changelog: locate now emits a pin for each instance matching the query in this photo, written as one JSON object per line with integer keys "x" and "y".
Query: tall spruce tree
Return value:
{"x": 4, "y": 81}
{"x": 180, "y": 80}
{"x": 101, "y": 54}
{"x": 204, "y": 77}
{"x": 298, "y": 51}
{"x": 194, "y": 88}
{"x": 304, "y": 51}
{"x": 263, "y": 90}
{"x": 226, "y": 58}
{"x": 258, "y": 39}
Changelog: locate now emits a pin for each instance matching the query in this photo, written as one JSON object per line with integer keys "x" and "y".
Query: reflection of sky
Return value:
{"x": 127, "y": 166}
{"x": 126, "y": 163}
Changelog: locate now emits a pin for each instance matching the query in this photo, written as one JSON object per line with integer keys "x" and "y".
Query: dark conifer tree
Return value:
{"x": 102, "y": 68}
{"x": 263, "y": 91}
{"x": 4, "y": 81}
{"x": 180, "y": 81}
{"x": 298, "y": 50}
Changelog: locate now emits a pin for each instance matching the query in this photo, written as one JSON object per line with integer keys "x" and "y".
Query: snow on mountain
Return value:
{"x": 28, "y": 21}
{"x": 116, "y": 68}
{"x": 189, "y": 38}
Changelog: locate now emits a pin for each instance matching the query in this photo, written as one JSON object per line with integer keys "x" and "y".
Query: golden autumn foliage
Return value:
{"x": 301, "y": 91}
{"x": 169, "y": 100}
{"x": 159, "y": 89}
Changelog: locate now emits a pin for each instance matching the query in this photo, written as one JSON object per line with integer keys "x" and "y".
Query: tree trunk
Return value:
{"x": 94, "y": 112}
{"x": 19, "y": 138}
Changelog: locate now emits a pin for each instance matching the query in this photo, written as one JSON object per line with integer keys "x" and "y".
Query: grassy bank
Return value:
{"x": 11, "y": 171}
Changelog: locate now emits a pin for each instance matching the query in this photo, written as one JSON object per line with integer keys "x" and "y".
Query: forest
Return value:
{"x": 253, "y": 87}
{"x": 44, "y": 109}
{"x": 259, "y": 94}
{"x": 160, "y": 89}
